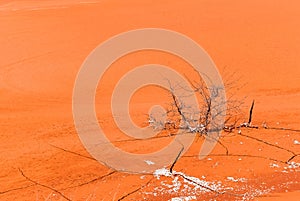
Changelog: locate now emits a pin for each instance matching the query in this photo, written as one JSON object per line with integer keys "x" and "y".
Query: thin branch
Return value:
{"x": 290, "y": 159}
{"x": 250, "y": 113}
{"x": 176, "y": 159}
{"x": 226, "y": 149}
{"x": 202, "y": 186}
{"x": 207, "y": 187}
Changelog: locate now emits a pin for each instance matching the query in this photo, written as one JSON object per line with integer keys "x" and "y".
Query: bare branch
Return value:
{"x": 176, "y": 159}
{"x": 250, "y": 113}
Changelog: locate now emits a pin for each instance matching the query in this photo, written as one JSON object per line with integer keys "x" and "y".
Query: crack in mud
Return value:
{"x": 15, "y": 189}
{"x": 91, "y": 181}
{"x": 43, "y": 185}
{"x": 136, "y": 190}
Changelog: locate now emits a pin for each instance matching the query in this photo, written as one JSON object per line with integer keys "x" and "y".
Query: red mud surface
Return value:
{"x": 44, "y": 43}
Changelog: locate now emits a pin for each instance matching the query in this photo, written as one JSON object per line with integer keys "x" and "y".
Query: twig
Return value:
{"x": 250, "y": 113}
{"x": 202, "y": 186}
{"x": 207, "y": 187}
{"x": 292, "y": 158}
{"x": 226, "y": 149}
{"x": 176, "y": 159}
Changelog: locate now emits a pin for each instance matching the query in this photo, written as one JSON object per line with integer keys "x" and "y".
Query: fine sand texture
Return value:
{"x": 43, "y": 44}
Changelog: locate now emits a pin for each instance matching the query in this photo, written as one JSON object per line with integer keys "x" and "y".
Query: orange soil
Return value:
{"x": 43, "y": 44}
